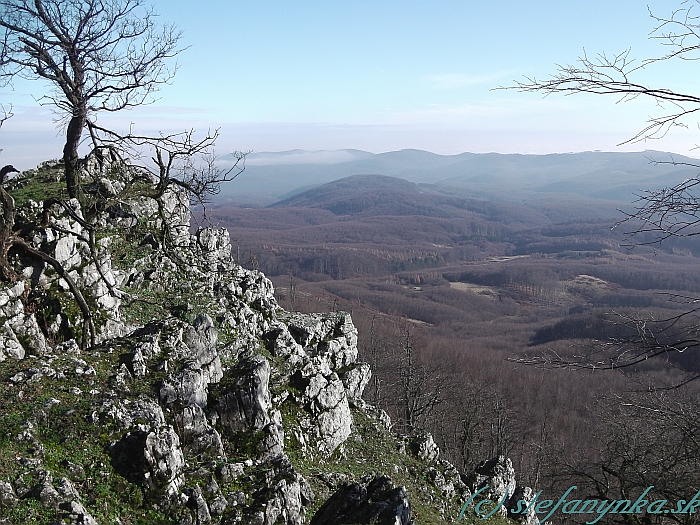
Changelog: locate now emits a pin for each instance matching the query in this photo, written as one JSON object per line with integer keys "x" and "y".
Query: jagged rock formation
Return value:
{"x": 203, "y": 401}
{"x": 376, "y": 501}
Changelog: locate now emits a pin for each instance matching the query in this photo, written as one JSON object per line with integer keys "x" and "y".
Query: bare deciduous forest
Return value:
{"x": 450, "y": 292}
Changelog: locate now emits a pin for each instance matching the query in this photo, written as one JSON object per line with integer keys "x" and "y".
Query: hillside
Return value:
{"x": 200, "y": 399}
{"x": 471, "y": 285}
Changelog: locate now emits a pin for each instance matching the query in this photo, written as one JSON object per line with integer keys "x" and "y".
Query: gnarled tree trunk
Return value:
{"x": 7, "y": 223}
{"x": 71, "y": 160}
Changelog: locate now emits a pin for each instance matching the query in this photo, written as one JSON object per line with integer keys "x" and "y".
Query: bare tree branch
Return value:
{"x": 99, "y": 55}
{"x": 607, "y": 74}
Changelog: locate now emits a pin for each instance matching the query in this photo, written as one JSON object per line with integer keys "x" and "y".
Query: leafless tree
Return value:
{"x": 101, "y": 56}
{"x": 645, "y": 442}
{"x": 98, "y": 56}
{"x": 668, "y": 212}
{"x": 420, "y": 385}
{"x": 292, "y": 292}
{"x": 606, "y": 74}
{"x": 658, "y": 214}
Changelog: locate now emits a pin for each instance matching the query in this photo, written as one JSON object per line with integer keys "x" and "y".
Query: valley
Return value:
{"x": 456, "y": 282}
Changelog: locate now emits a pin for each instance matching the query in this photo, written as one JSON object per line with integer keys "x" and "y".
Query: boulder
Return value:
{"x": 378, "y": 501}
{"x": 498, "y": 474}
{"x": 199, "y": 439}
{"x": 423, "y": 446}
{"x": 525, "y": 494}
{"x": 245, "y": 402}
{"x": 355, "y": 380}
{"x": 153, "y": 459}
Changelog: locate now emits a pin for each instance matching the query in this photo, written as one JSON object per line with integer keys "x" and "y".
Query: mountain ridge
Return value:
{"x": 613, "y": 175}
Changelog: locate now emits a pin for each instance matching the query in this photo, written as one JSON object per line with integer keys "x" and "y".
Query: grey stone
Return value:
{"x": 138, "y": 364}
{"x": 217, "y": 506}
{"x": 67, "y": 490}
{"x": 424, "y": 447}
{"x": 231, "y": 471}
{"x": 77, "y": 513}
{"x": 379, "y": 501}
{"x": 48, "y": 495}
{"x": 142, "y": 413}
{"x": 199, "y": 439}
{"x": 27, "y": 327}
{"x": 245, "y": 405}
{"x": 9, "y": 344}
{"x": 198, "y": 504}
{"x": 355, "y": 380}
{"x": 526, "y": 494}
{"x": 496, "y": 473}
{"x": 163, "y": 455}
{"x": 8, "y": 498}
{"x": 75, "y": 472}
{"x": 153, "y": 459}
{"x": 281, "y": 343}
{"x": 272, "y": 443}
{"x": 326, "y": 400}
{"x": 283, "y": 505}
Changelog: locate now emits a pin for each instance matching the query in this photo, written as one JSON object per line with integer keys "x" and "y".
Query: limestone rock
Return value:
{"x": 527, "y": 495}
{"x": 77, "y": 514}
{"x": 424, "y": 447}
{"x": 231, "y": 471}
{"x": 280, "y": 343}
{"x": 199, "y": 439}
{"x": 498, "y": 474}
{"x": 9, "y": 344}
{"x": 282, "y": 505}
{"x": 332, "y": 337}
{"x": 193, "y": 349}
{"x": 142, "y": 414}
{"x": 355, "y": 380}
{"x": 153, "y": 459}
{"x": 272, "y": 443}
{"x": 198, "y": 504}
{"x": 26, "y": 326}
{"x": 8, "y": 498}
{"x": 245, "y": 403}
{"x": 379, "y": 501}
{"x": 325, "y": 398}
{"x": 214, "y": 244}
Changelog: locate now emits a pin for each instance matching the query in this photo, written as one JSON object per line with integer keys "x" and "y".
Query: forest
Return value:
{"x": 539, "y": 307}
{"x": 480, "y": 318}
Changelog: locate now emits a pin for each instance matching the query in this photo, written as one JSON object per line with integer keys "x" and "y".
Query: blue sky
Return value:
{"x": 385, "y": 75}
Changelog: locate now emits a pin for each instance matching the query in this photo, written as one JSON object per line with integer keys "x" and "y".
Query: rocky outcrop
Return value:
{"x": 376, "y": 500}
{"x": 527, "y": 495}
{"x": 245, "y": 403}
{"x": 152, "y": 459}
{"x": 203, "y": 401}
{"x": 498, "y": 475}
{"x": 422, "y": 446}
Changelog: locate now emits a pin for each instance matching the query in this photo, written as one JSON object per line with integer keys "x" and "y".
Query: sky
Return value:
{"x": 385, "y": 75}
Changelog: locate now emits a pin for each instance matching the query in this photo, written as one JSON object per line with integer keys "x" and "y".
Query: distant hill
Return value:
{"x": 270, "y": 177}
{"x": 379, "y": 196}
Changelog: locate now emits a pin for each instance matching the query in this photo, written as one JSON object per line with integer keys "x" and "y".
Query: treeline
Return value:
{"x": 630, "y": 273}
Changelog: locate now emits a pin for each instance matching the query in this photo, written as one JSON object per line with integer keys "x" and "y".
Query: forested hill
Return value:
{"x": 378, "y": 195}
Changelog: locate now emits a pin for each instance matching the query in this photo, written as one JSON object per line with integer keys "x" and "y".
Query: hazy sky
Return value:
{"x": 386, "y": 75}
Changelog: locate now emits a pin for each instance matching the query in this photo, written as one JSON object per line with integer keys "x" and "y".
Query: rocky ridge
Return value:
{"x": 202, "y": 401}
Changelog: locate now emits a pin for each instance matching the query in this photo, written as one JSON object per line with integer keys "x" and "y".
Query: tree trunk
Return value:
{"x": 70, "y": 156}
{"x": 7, "y": 222}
